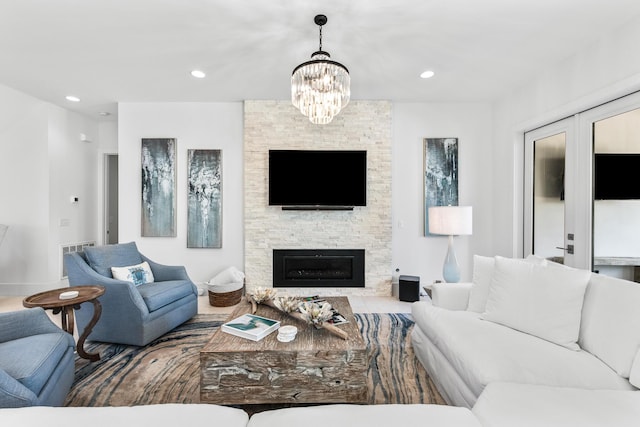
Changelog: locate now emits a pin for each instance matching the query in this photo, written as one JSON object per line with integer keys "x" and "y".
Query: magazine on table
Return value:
{"x": 250, "y": 326}
{"x": 336, "y": 318}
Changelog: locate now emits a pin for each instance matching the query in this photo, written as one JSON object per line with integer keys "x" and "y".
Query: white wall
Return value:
{"x": 42, "y": 163}
{"x": 215, "y": 125}
{"x": 413, "y": 253}
{"x": 195, "y": 126}
{"x": 608, "y": 69}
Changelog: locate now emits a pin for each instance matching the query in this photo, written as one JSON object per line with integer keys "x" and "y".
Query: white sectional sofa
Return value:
{"x": 529, "y": 343}
{"x": 537, "y": 332}
{"x": 172, "y": 415}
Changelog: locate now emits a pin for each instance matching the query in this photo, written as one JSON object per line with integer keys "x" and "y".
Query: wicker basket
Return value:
{"x": 225, "y": 299}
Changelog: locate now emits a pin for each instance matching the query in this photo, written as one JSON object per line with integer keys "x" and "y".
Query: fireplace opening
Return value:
{"x": 298, "y": 268}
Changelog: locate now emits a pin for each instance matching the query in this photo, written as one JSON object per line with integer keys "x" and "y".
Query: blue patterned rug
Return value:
{"x": 168, "y": 369}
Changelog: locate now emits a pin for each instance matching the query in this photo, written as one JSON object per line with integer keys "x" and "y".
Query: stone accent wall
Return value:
{"x": 362, "y": 125}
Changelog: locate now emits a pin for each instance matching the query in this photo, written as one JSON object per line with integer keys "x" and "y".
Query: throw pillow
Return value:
{"x": 482, "y": 275}
{"x": 610, "y": 325}
{"x": 137, "y": 274}
{"x": 537, "y": 299}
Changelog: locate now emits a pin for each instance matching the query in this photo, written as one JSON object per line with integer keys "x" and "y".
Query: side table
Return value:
{"x": 50, "y": 300}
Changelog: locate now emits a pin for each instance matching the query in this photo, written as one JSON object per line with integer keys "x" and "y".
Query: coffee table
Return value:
{"x": 50, "y": 300}
{"x": 316, "y": 367}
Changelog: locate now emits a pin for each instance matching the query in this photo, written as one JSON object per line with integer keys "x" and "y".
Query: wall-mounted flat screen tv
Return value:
{"x": 316, "y": 178}
{"x": 616, "y": 176}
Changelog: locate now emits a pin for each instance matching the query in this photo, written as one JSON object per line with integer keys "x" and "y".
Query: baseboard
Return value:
{"x": 25, "y": 289}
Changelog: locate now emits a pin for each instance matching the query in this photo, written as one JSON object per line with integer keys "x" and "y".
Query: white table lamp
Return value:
{"x": 451, "y": 221}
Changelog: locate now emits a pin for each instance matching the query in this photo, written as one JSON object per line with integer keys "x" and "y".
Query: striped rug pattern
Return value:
{"x": 168, "y": 369}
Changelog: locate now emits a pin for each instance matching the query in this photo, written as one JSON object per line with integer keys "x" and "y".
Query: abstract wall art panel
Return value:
{"x": 440, "y": 175}
{"x": 204, "y": 198}
{"x": 158, "y": 187}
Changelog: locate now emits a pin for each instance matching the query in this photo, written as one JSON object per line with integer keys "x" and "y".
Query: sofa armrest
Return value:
{"x": 452, "y": 296}
{"x": 163, "y": 272}
{"x": 24, "y": 323}
{"x": 13, "y": 394}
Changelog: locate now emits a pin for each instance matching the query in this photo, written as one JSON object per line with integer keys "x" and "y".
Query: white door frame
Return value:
{"x": 578, "y": 176}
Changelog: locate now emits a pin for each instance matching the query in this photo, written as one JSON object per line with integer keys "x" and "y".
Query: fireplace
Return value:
{"x": 316, "y": 268}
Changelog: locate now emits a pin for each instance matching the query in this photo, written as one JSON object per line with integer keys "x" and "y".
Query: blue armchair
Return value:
{"x": 36, "y": 360}
{"x": 131, "y": 314}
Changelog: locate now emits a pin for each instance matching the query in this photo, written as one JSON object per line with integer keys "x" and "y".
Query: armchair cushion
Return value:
{"x": 32, "y": 360}
{"x": 158, "y": 294}
{"x": 102, "y": 258}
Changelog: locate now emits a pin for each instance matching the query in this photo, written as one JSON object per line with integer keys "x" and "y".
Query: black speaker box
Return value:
{"x": 409, "y": 288}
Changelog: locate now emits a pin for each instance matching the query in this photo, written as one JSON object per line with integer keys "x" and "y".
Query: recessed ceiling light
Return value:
{"x": 427, "y": 74}
{"x": 198, "y": 74}
{"x": 72, "y": 98}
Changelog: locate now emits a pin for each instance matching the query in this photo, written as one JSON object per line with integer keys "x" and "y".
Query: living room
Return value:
{"x": 43, "y": 137}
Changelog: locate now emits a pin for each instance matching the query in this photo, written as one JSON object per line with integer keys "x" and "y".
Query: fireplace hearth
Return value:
{"x": 311, "y": 268}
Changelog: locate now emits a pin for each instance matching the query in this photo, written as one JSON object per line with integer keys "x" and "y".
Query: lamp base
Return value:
{"x": 450, "y": 269}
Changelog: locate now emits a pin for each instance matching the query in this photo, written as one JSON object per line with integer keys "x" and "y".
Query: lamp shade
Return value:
{"x": 451, "y": 220}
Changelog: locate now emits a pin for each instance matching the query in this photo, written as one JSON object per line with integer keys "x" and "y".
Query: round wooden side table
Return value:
{"x": 50, "y": 300}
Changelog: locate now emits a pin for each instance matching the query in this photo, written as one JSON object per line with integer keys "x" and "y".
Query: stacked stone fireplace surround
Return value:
{"x": 362, "y": 125}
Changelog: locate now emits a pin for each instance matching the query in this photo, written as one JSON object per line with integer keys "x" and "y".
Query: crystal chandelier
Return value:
{"x": 320, "y": 88}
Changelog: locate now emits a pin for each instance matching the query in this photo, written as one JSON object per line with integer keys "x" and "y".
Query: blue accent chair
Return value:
{"x": 37, "y": 360}
{"x": 134, "y": 315}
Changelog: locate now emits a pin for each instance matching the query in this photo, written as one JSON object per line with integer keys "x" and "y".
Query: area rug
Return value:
{"x": 168, "y": 369}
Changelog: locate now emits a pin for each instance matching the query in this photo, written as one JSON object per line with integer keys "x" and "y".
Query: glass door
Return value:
{"x": 582, "y": 189}
{"x": 613, "y": 131}
{"x": 546, "y": 211}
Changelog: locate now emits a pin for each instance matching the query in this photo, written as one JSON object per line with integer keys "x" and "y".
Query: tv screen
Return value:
{"x": 309, "y": 178}
{"x": 616, "y": 176}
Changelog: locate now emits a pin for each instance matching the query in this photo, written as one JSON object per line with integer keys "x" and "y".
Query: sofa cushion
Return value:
{"x": 366, "y": 416}
{"x": 482, "y": 275}
{"x": 158, "y": 294}
{"x": 634, "y": 376}
{"x": 138, "y": 274}
{"x": 159, "y": 415}
{"x": 526, "y": 405}
{"x": 102, "y": 258}
{"x": 541, "y": 300}
{"x": 610, "y": 326}
{"x": 483, "y": 352}
{"x": 31, "y": 360}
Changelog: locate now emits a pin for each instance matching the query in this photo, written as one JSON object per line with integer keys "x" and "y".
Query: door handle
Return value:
{"x": 568, "y": 249}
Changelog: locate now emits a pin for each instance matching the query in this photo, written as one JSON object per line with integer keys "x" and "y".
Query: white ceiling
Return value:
{"x": 109, "y": 51}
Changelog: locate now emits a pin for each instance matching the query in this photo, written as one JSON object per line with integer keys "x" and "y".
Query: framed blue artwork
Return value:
{"x": 440, "y": 175}
{"x": 158, "y": 187}
{"x": 204, "y": 198}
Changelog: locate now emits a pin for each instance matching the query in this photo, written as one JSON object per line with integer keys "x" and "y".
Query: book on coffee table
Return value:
{"x": 250, "y": 326}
